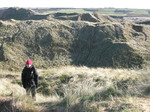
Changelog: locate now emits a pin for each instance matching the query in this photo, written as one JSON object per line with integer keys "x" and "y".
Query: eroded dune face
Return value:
{"x": 16, "y": 13}
{"x": 80, "y": 39}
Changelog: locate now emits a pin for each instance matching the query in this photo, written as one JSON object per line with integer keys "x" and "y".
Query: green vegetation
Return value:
{"x": 68, "y": 11}
{"x": 105, "y": 11}
{"x": 64, "y": 78}
{"x": 17, "y": 13}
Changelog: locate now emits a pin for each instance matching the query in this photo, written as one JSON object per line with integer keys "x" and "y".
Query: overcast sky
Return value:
{"x": 140, "y": 4}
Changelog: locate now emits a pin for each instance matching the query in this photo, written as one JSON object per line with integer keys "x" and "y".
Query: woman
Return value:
{"x": 30, "y": 78}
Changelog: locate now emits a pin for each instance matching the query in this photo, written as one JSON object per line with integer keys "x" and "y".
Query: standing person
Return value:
{"x": 30, "y": 79}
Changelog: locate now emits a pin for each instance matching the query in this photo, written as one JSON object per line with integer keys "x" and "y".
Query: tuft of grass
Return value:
{"x": 44, "y": 87}
{"x": 64, "y": 78}
{"x": 78, "y": 97}
{"x": 26, "y": 104}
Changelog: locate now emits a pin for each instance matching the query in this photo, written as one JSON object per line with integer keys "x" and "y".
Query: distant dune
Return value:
{"x": 56, "y": 39}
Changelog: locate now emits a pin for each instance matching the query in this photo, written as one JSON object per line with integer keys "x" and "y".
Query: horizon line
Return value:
{"x": 74, "y": 7}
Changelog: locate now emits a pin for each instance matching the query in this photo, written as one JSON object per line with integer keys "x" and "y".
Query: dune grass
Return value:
{"x": 81, "y": 89}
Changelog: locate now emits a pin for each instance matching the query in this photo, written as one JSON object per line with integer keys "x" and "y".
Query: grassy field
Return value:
{"x": 79, "y": 89}
{"x": 105, "y": 11}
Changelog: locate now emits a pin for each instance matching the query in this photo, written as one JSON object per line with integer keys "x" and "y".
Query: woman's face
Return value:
{"x": 28, "y": 66}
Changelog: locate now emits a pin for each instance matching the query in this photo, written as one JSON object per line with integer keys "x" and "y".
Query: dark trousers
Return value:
{"x": 32, "y": 91}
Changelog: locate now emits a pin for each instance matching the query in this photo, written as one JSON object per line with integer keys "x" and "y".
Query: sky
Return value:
{"x": 138, "y": 4}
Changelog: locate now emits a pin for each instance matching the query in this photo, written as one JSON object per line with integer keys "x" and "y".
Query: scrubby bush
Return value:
{"x": 64, "y": 78}
{"x": 17, "y": 82}
{"x": 147, "y": 91}
{"x": 109, "y": 92}
{"x": 44, "y": 87}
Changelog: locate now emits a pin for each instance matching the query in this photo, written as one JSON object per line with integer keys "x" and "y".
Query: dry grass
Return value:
{"x": 16, "y": 95}
{"x": 87, "y": 89}
{"x": 102, "y": 72}
{"x": 82, "y": 87}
